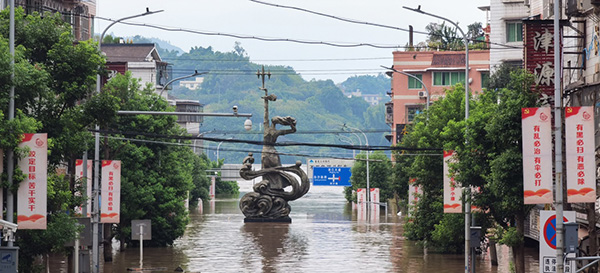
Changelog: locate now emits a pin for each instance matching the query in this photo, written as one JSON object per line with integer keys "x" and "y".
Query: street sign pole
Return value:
{"x": 141, "y": 246}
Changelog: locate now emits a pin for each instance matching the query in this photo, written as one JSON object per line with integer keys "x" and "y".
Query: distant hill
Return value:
{"x": 367, "y": 84}
{"x": 320, "y": 107}
{"x": 162, "y": 44}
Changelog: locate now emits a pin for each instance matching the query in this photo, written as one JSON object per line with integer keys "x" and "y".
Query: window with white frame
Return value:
{"x": 447, "y": 78}
{"x": 514, "y": 32}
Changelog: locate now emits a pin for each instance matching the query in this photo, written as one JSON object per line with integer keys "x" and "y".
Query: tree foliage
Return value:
{"x": 379, "y": 175}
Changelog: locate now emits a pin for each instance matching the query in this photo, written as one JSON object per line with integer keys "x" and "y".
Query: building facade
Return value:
{"x": 79, "y": 13}
{"x": 438, "y": 70}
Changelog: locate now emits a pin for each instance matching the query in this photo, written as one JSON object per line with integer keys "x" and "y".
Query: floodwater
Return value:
{"x": 324, "y": 236}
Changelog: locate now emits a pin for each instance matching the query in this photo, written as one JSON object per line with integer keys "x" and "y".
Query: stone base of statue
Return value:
{"x": 285, "y": 219}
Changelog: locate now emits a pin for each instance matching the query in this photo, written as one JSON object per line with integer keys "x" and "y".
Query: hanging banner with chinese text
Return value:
{"x": 452, "y": 191}
{"x": 537, "y": 155}
{"x": 414, "y": 193}
{"x": 88, "y": 185}
{"x": 538, "y": 41}
{"x": 361, "y": 200}
{"x": 580, "y": 150}
{"x": 111, "y": 191}
{"x": 374, "y": 204}
{"x": 32, "y": 193}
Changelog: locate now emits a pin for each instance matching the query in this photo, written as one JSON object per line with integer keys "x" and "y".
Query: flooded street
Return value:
{"x": 324, "y": 236}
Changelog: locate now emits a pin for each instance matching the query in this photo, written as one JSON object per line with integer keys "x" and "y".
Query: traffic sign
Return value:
{"x": 331, "y": 176}
{"x": 547, "y": 241}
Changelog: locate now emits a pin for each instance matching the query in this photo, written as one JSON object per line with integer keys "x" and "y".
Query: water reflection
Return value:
{"x": 324, "y": 236}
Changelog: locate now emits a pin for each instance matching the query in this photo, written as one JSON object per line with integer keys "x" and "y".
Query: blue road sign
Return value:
{"x": 331, "y": 176}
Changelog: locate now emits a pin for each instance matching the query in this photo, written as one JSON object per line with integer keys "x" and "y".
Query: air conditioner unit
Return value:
{"x": 422, "y": 94}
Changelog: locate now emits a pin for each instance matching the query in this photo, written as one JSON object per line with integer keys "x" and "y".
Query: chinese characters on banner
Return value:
{"x": 414, "y": 193}
{"x": 111, "y": 191}
{"x": 537, "y": 155}
{"x": 79, "y": 178}
{"x": 361, "y": 200}
{"x": 375, "y": 209}
{"x": 31, "y": 196}
{"x": 452, "y": 191}
{"x": 539, "y": 53}
{"x": 579, "y": 144}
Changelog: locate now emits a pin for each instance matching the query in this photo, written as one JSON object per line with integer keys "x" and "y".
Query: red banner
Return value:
{"x": 32, "y": 193}
{"x": 537, "y": 155}
{"x": 580, "y": 150}
{"x": 539, "y": 53}
{"x": 111, "y": 191}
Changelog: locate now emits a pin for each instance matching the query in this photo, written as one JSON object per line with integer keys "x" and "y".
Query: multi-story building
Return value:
{"x": 142, "y": 60}
{"x": 506, "y": 28}
{"x": 438, "y": 70}
{"x": 79, "y": 13}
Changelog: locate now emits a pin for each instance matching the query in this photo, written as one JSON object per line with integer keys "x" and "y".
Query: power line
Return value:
{"x": 262, "y": 143}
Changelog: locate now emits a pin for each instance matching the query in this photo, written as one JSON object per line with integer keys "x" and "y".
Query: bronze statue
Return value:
{"x": 269, "y": 201}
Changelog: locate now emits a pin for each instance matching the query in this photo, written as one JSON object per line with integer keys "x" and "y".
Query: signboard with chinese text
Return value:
{"x": 452, "y": 191}
{"x": 111, "y": 192}
{"x": 32, "y": 194}
{"x": 326, "y": 162}
{"x": 580, "y": 150}
{"x": 414, "y": 193}
{"x": 213, "y": 188}
{"x": 548, "y": 241}
{"x": 79, "y": 177}
{"x": 537, "y": 155}
{"x": 331, "y": 176}
{"x": 538, "y": 40}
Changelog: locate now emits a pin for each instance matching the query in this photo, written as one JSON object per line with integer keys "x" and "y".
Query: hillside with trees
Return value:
{"x": 319, "y": 106}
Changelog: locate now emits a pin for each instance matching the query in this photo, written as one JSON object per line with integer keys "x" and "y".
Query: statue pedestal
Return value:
{"x": 286, "y": 219}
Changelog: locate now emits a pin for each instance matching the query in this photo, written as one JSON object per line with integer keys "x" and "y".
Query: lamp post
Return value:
{"x": 10, "y": 165}
{"x": 196, "y": 73}
{"x": 368, "y": 182}
{"x": 96, "y": 203}
{"x": 416, "y": 78}
{"x": 219, "y": 146}
{"x": 468, "y": 254}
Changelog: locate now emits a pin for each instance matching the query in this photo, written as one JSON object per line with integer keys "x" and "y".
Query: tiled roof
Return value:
{"x": 130, "y": 52}
{"x": 457, "y": 59}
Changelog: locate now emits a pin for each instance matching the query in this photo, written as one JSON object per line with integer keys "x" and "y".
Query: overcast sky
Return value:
{"x": 247, "y": 18}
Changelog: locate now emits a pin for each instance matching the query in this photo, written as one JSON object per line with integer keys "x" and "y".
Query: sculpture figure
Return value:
{"x": 269, "y": 201}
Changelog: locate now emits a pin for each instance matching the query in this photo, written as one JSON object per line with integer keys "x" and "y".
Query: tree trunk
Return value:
{"x": 107, "y": 242}
{"x": 591, "y": 216}
{"x": 519, "y": 250}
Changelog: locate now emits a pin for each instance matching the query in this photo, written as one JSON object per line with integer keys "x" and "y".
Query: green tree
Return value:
{"x": 443, "y": 129}
{"x": 156, "y": 176}
{"x": 492, "y": 159}
{"x": 379, "y": 175}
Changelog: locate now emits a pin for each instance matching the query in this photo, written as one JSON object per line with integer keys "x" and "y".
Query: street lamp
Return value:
{"x": 348, "y": 140}
{"x": 95, "y": 214}
{"x": 416, "y": 78}
{"x": 468, "y": 254}
{"x": 196, "y": 73}
{"x": 219, "y": 146}
{"x": 368, "y": 185}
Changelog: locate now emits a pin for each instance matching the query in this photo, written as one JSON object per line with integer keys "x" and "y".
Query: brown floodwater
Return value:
{"x": 324, "y": 236}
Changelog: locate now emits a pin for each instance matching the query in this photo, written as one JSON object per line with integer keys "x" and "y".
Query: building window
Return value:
{"x": 485, "y": 79}
{"x": 412, "y": 111}
{"x": 514, "y": 32}
{"x": 448, "y": 78}
{"x": 415, "y": 84}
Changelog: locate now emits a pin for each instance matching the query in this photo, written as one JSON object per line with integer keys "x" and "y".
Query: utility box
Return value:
{"x": 571, "y": 237}
{"x": 475, "y": 237}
